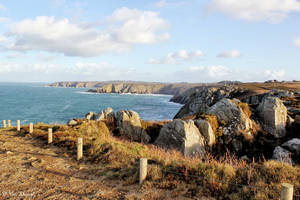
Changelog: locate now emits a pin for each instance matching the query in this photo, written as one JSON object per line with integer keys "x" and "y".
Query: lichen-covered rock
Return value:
{"x": 90, "y": 116}
{"x": 293, "y": 145}
{"x": 282, "y": 155}
{"x": 72, "y": 122}
{"x": 129, "y": 125}
{"x": 201, "y": 100}
{"x": 207, "y": 131}
{"x": 274, "y": 116}
{"x": 183, "y": 136}
{"x": 107, "y": 114}
{"x": 233, "y": 116}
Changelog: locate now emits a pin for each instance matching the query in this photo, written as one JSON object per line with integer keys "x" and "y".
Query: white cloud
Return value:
{"x": 230, "y": 54}
{"x": 272, "y": 11}
{"x": 4, "y": 19}
{"x": 126, "y": 28}
{"x": 273, "y": 74}
{"x": 2, "y": 7}
{"x": 297, "y": 42}
{"x": 138, "y": 27}
{"x": 160, "y": 3}
{"x": 3, "y": 38}
{"x": 173, "y": 58}
{"x": 215, "y": 71}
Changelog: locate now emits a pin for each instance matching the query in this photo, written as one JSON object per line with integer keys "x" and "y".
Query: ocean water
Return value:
{"x": 32, "y": 102}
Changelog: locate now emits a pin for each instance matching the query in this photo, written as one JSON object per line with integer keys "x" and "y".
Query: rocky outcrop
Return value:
{"x": 236, "y": 121}
{"x": 72, "y": 122}
{"x": 106, "y": 114}
{"x": 90, "y": 116}
{"x": 207, "y": 131}
{"x": 129, "y": 126}
{"x": 201, "y": 101}
{"x": 293, "y": 145}
{"x": 183, "y": 136}
{"x": 274, "y": 116}
{"x": 282, "y": 155}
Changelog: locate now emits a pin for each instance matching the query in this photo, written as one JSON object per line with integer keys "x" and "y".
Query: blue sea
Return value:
{"x": 33, "y": 102}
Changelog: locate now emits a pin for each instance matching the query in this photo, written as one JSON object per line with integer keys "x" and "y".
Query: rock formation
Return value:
{"x": 183, "y": 136}
{"x": 207, "y": 131}
{"x": 274, "y": 116}
{"x": 129, "y": 125}
{"x": 106, "y": 114}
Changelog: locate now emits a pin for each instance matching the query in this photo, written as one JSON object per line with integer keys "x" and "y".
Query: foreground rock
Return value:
{"x": 282, "y": 155}
{"x": 274, "y": 116}
{"x": 293, "y": 145}
{"x": 107, "y": 114}
{"x": 183, "y": 136}
{"x": 72, "y": 122}
{"x": 129, "y": 125}
{"x": 200, "y": 101}
{"x": 90, "y": 116}
{"x": 207, "y": 131}
{"x": 236, "y": 121}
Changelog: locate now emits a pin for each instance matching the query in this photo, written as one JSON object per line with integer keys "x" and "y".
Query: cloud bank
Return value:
{"x": 124, "y": 29}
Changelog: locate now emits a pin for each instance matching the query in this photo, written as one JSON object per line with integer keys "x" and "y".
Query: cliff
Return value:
{"x": 131, "y": 87}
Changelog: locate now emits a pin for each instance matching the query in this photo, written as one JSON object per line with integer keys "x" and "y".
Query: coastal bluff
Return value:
{"x": 130, "y": 87}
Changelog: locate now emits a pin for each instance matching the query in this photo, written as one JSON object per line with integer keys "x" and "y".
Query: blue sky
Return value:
{"x": 163, "y": 40}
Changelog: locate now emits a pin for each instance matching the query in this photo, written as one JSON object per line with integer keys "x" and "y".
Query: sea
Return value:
{"x": 35, "y": 102}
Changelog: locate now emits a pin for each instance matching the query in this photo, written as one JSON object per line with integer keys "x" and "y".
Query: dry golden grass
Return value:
{"x": 225, "y": 177}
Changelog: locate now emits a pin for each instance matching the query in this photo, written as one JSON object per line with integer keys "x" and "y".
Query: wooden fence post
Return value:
{"x": 4, "y": 123}
{"x": 286, "y": 191}
{"x": 79, "y": 148}
{"x": 8, "y": 124}
{"x": 31, "y": 128}
{"x": 143, "y": 169}
{"x": 49, "y": 135}
{"x": 18, "y": 125}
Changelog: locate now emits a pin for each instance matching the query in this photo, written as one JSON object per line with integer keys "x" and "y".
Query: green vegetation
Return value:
{"x": 225, "y": 178}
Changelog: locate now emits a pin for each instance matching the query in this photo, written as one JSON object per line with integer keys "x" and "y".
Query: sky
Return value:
{"x": 160, "y": 41}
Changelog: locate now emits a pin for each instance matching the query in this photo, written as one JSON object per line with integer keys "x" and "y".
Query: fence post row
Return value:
{"x": 79, "y": 148}
{"x": 4, "y": 123}
{"x": 31, "y": 128}
{"x": 49, "y": 135}
{"x": 286, "y": 191}
{"x": 143, "y": 169}
{"x": 18, "y": 125}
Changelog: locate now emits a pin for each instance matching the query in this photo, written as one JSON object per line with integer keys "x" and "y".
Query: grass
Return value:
{"x": 222, "y": 178}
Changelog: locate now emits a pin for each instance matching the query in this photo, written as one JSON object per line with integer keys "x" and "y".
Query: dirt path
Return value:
{"x": 32, "y": 169}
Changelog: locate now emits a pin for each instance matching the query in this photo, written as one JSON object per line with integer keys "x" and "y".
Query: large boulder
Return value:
{"x": 282, "y": 155}
{"x": 202, "y": 99}
{"x": 293, "y": 145}
{"x": 107, "y": 114}
{"x": 274, "y": 116}
{"x": 129, "y": 125}
{"x": 207, "y": 131}
{"x": 90, "y": 116}
{"x": 183, "y": 136}
{"x": 236, "y": 121}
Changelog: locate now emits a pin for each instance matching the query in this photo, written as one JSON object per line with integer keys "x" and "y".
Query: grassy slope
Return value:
{"x": 224, "y": 178}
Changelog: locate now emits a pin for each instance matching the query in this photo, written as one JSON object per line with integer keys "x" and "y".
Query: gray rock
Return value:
{"x": 201, "y": 100}
{"x": 90, "y": 116}
{"x": 237, "y": 121}
{"x": 274, "y": 116}
{"x": 282, "y": 155}
{"x": 107, "y": 114}
{"x": 293, "y": 145}
{"x": 129, "y": 125}
{"x": 183, "y": 136}
{"x": 72, "y": 122}
{"x": 206, "y": 130}
{"x": 297, "y": 119}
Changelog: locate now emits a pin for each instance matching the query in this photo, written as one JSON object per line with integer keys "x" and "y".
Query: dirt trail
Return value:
{"x": 32, "y": 169}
